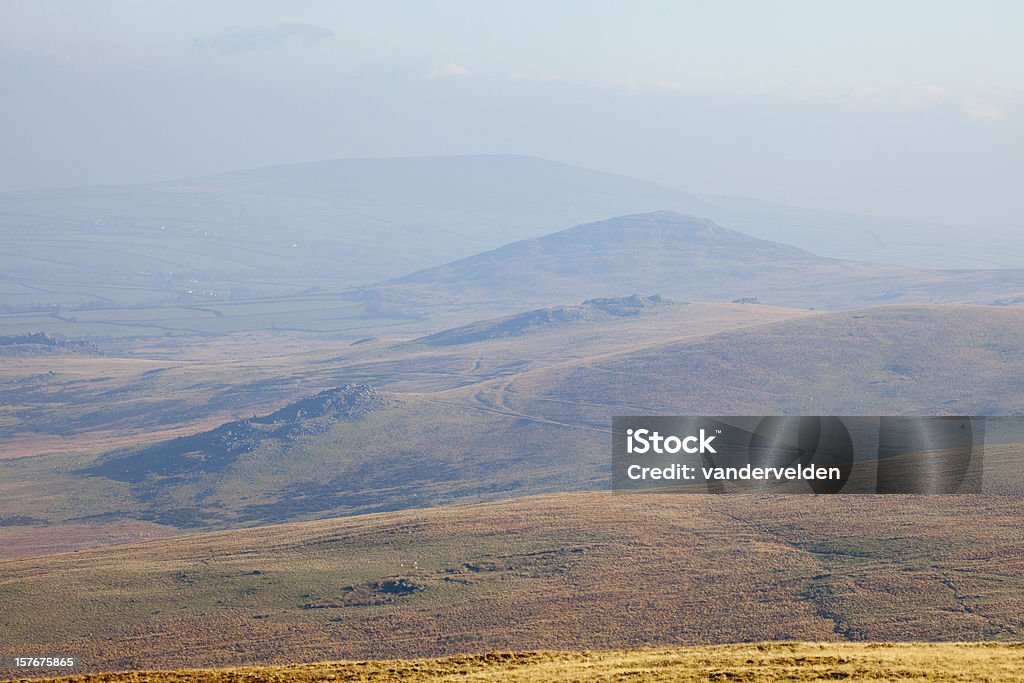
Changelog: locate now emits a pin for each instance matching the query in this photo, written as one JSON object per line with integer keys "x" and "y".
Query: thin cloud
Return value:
{"x": 925, "y": 94}
{"x": 669, "y": 85}
{"x": 237, "y": 39}
{"x": 455, "y": 70}
{"x": 982, "y": 110}
{"x": 972, "y": 106}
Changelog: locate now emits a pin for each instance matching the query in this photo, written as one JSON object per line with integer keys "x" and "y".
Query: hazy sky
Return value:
{"x": 910, "y": 109}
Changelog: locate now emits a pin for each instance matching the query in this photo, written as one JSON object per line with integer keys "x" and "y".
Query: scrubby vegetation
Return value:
{"x": 562, "y": 572}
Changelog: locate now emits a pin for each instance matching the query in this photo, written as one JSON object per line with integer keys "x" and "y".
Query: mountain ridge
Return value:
{"x": 333, "y": 224}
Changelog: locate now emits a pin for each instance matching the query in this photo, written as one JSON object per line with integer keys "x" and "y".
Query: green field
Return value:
{"x": 319, "y": 312}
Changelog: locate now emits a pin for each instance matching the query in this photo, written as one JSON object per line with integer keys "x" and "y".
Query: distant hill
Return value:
{"x": 584, "y": 571}
{"x": 348, "y": 222}
{"x": 283, "y": 229}
{"x": 892, "y": 360}
{"x": 590, "y": 311}
{"x": 682, "y": 257}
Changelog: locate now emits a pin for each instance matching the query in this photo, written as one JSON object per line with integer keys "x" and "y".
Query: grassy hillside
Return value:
{"x": 569, "y": 571}
{"x": 962, "y": 360}
{"x": 78, "y": 407}
{"x": 590, "y": 312}
{"x": 510, "y": 416}
{"x": 148, "y": 390}
{"x": 769, "y": 662}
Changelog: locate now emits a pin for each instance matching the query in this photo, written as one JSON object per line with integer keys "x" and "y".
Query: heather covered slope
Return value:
{"x": 229, "y": 431}
{"x": 962, "y": 360}
{"x": 568, "y": 571}
{"x": 512, "y": 416}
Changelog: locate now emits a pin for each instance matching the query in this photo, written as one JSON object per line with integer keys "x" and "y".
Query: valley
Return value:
{"x": 478, "y": 420}
{"x": 411, "y": 460}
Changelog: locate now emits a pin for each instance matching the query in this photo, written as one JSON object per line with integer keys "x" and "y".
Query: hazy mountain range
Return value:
{"x": 680, "y": 256}
{"x": 327, "y": 340}
{"x": 341, "y": 223}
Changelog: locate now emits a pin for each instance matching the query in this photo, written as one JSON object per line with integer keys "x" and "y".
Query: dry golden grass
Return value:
{"x": 33, "y": 539}
{"x": 768, "y": 662}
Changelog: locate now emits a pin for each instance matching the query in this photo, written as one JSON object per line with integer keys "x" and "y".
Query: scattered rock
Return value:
{"x": 43, "y": 343}
{"x": 591, "y": 310}
{"x": 217, "y": 448}
{"x": 380, "y": 592}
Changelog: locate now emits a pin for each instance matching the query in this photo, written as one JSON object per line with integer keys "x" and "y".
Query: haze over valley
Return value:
{"x": 315, "y": 319}
{"x": 453, "y": 383}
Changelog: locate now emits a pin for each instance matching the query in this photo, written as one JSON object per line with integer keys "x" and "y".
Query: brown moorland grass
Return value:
{"x": 768, "y": 662}
{"x": 81, "y": 404}
{"x": 587, "y": 571}
{"x": 483, "y": 421}
{"x": 37, "y": 539}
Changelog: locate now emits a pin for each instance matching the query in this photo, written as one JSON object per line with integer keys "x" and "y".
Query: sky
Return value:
{"x": 908, "y": 109}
